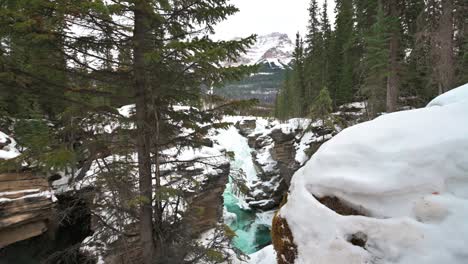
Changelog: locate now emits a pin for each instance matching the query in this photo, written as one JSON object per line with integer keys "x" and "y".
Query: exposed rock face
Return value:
{"x": 280, "y": 146}
{"x": 26, "y": 207}
{"x": 206, "y": 208}
{"x": 283, "y": 241}
{"x": 65, "y": 229}
{"x": 279, "y": 149}
{"x": 284, "y": 153}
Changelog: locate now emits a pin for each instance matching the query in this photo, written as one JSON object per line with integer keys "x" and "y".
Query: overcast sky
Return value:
{"x": 266, "y": 16}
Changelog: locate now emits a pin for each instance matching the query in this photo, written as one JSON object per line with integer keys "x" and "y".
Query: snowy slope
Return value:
{"x": 274, "y": 49}
{"x": 407, "y": 172}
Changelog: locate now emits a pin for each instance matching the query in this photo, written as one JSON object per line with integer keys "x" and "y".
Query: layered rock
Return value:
{"x": 26, "y": 207}
{"x": 26, "y": 201}
{"x": 206, "y": 207}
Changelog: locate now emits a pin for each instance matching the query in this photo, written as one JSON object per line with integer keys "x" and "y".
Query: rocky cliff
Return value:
{"x": 26, "y": 207}
{"x": 279, "y": 149}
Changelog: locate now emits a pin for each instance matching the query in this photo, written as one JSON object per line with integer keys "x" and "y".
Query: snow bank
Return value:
{"x": 408, "y": 173}
{"x": 456, "y": 95}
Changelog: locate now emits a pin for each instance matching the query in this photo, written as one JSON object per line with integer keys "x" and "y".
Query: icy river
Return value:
{"x": 252, "y": 227}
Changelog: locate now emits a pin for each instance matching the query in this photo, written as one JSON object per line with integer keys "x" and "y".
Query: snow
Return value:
{"x": 127, "y": 110}
{"x": 231, "y": 140}
{"x": 357, "y": 105}
{"x": 9, "y": 151}
{"x": 274, "y": 48}
{"x": 407, "y": 171}
{"x": 301, "y": 155}
{"x": 456, "y": 95}
{"x": 263, "y": 73}
{"x": 266, "y": 255}
{"x": 265, "y": 218}
{"x": 33, "y": 194}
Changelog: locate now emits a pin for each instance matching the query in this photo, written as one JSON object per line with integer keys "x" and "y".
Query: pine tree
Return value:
{"x": 344, "y": 59}
{"x": 321, "y": 109}
{"x": 313, "y": 27}
{"x": 283, "y": 107}
{"x": 298, "y": 80}
{"x": 375, "y": 66}
{"x": 326, "y": 45}
{"x": 314, "y": 55}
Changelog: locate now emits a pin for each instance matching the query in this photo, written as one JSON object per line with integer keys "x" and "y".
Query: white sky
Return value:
{"x": 267, "y": 16}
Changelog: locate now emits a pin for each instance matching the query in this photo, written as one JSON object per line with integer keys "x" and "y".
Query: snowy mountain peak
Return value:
{"x": 276, "y": 49}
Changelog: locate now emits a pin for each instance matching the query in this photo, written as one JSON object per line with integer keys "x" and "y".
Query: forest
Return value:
{"x": 390, "y": 53}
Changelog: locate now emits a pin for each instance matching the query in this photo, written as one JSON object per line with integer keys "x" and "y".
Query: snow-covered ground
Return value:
{"x": 407, "y": 172}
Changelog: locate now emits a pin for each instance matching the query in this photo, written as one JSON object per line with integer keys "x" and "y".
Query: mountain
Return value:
{"x": 273, "y": 52}
{"x": 275, "y": 49}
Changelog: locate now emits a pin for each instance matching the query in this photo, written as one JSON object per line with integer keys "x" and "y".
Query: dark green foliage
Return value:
{"x": 41, "y": 148}
{"x": 355, "y": 60}
{"x": 322, "y": 106}
{"x": 374, "y": 64}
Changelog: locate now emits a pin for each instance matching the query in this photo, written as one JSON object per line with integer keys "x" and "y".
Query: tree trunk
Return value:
{"x": 393, "y": 79}
{"x": 445, "y": 46}
{"x": 142, "y": 45}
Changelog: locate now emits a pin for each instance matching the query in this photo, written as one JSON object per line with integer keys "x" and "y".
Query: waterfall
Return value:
{"x": 252, "y": 232}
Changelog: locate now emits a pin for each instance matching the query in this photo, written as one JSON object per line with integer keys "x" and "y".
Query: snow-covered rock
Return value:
{"x": 391, "y": 190}
{"x": 26, "y": 201}
{"x": 7, "y": 147}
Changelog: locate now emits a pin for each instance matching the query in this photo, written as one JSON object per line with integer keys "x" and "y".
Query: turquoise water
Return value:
{"x": 251, "y": 236}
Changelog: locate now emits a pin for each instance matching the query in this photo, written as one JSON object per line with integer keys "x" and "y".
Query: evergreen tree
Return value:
{"x": 313, "y": 63}
{"x": 321, "y": 109}
{"x": 313, "y": 28}
{"x": 375, "y": 66}
{"x": 298, "y": 80}
{"x": 326, "y": 45}
{"x": 344, "y": 59}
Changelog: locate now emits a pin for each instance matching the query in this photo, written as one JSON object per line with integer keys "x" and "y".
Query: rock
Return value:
{"x": 283, "y": 241}
{"x": 206, "y": 208}
{"x": 279, "y": 136}
{"x": 246, "y": 127}
{"x": 6, "y": 142}
{"x": 26, "y": 207}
